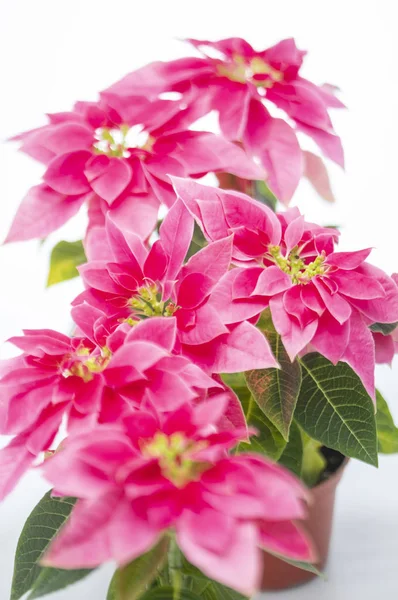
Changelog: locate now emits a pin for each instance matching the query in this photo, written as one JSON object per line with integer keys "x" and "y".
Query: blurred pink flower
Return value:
{"x": 117, "y": 159}
{"x": 241, "y": 84}
{"x": 136, "y": 482}
{"x": 319, "y": 299}
{"x": 90, "y": 380}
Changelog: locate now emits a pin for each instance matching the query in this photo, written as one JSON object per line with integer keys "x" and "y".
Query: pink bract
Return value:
{"x": 90, "y": 380}
{"x": 115, "y": 156}
{"x": 319, "y": 298}
{"x": 137, "y": 481}
{"x": 240, "y": 84}
{"x": 130, "y": 283}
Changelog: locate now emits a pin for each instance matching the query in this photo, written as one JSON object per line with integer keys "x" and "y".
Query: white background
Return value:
{"x": 54, "y": 52}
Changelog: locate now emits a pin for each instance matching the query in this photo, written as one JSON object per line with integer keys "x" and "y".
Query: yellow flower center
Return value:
{"x": 299, "y": 272}
{"x": 175, "y": 457}
{"x": 116, "y": 142}
{"x": 147, "y": 302}
{"x": 85, "y": 365}
{"x": 242, "y": 70}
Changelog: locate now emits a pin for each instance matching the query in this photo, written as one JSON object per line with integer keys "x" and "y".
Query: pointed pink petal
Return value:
{"x": 232, "y": 102}
{"x": 65, "y": 174}
{"x": 193, "y": 289}
{"x": 47, "y": 341}
{"x": 96, "y": 275}
{"x": 84, "y": 541}
{"x": 329, "y": 144}
{"x": 137, "y": 212}
{"x": 243, "y": 349}
{"x": 272, "y": 281}
{"x": 15, "y": 460}
{"x": 213, "y": 260}
{"x": 85, "y": 317}
{"x": 311, "y": 299}
{"x": 207, "y": 325}
{"x": 379, "y": 311}
{"x": 131, "y": 360}
{"x": 222, "y": 299}
{"x": 283, "y": 175}
{"x": 360, "y": 353}
{"x": 294, "y": 233}
{"x": 130, "y": 535}
{"x": 238, "y": 566}
{"x": 176, "y": 235}
{"x": 122, "y": 246}
{"x": 316, "y": 173}
{"x": 356, "y": 285}
{"x": 294, "y": 306}
{"x": 112, "y": 180}
{"x": 285, "y": 538}
{"x": 384, "y": 348}
{"x": 338, "y": 307}
{"x": 331, "y": 338}
{"x": 348, "y": 260}
{"x": 41, "y": 212}
{"x": 294, "y": 337}
{"x": 189, "y": 191}
{"x": 159, "y": 330}
{"x": 69, "y": 137}
{"x": 205, "y": 152}
{"x": 156, "y": 262}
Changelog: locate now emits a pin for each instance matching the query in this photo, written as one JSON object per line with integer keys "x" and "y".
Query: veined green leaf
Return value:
{"x": 276, "y": 390}
{"x": 334, "y": 408}
{"x": 292, "y": 456}
{"x": 269, "y": 440}
{"x": 41, "y": 526}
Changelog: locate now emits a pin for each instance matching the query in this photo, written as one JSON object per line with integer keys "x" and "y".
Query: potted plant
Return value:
{"x": 221, "y": 370}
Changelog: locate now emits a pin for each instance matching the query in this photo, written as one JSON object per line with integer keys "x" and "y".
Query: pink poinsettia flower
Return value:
{"x": 117, "y": 160}
{"x": 241, "y": 84}
{"x": 156, "y": 474}
{"x": 92, "y": 379}
{"x": 133, "y": 283}
{"x": 320, "y": 299}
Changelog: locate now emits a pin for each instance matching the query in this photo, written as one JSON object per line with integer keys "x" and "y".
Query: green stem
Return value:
{"x": 175, "y": 566}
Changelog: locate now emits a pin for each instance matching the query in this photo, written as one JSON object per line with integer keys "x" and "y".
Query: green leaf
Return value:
{"x": 41, "y": 526}
{"x": 168, "y": 593}
{"x": 52, "y": 580}
{"x": 384, "y": 328}
{"x": 264, "y": 194}
{"x": 129, "y": 582}
{"x": 65, "y": 257}
{"x": 314, "y": 463}
{"x": 334, "y": 408}
{"x": 269, "y": 440}
{"x": 276, "y": 390}
{"x": 292, "y": 456}
{"x": 387, "y": 432}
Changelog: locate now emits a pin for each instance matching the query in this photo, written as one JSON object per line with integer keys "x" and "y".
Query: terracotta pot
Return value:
{"x": 279, "y": 575}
